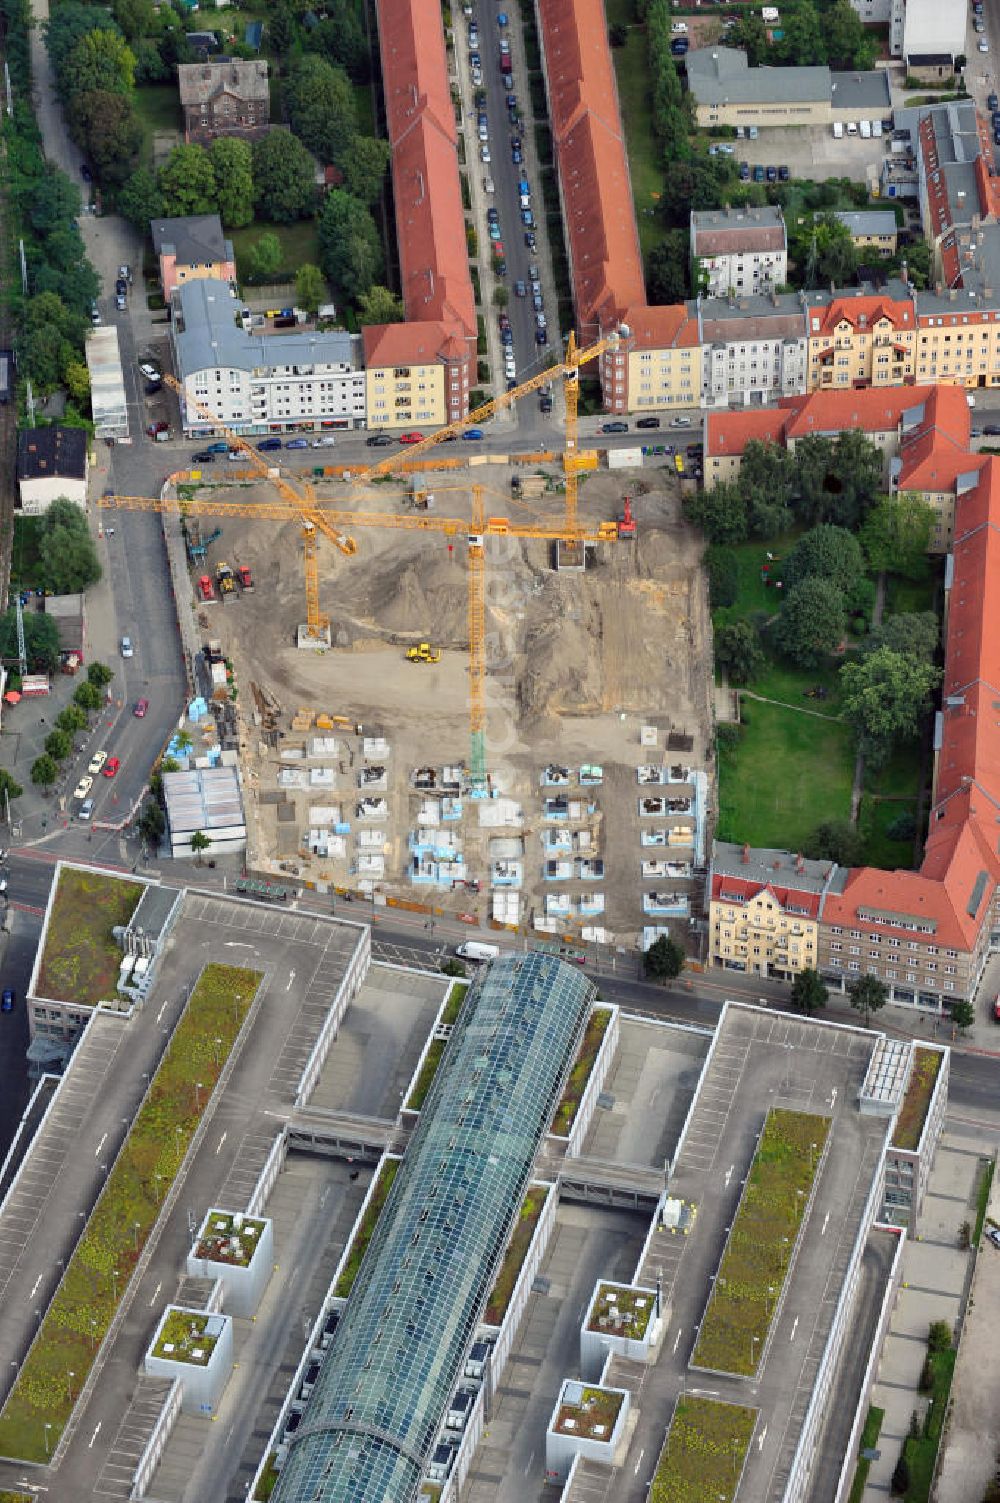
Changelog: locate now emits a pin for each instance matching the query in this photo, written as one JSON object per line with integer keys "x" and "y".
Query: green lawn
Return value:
{"x": 82, "y": 959}
{"x": 889, "y": 792}
{"x": 364, "y": 109}
{"x": 704, "y": 1452}
{"x": 387, "y": 1173}
{"x": 903, "y": 595}
{"x": 921, "y": 1452}
{"x": 24, "y": 561}
{"x": 869, "y": 1437}
{"x": 299, "y": 244}
{"x": 158, "y": 107}
{"x": 788, "y": 773}
{"x": 590, "y": 1045}
{"x": 752, "y": 593}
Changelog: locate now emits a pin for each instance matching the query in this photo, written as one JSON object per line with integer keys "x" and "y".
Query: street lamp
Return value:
{"x": 114, "y": 1285}
{"x": 197, "y": 1095}
{"x": 135, "y": 1227}
{"x": 71, "y": 1375}
{"x": 753, "y": 1357}
{"x": 177, "y": 1140}
{"x": 48, "y": 1427}
{"x": 218, "y": 1052}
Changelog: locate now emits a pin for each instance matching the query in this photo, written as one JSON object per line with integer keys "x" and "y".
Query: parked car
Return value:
{"x": 541, "y": 336}
{"x": 530, "y": 240}
{"x": 783, "y": 174}
{"x": 141, "y": 706}
{"x": 203, "y": 456}
{"x": 771, "y": 174}
{"x": 993, "y": 101}
{"x": 516, "y": 157}
{"x": 296, "y": 443}
{"x": 218, "y": 448}
{"x": 83, "y": 787}
{"x": 269, "y": 445}
{"x": 472, "y": 434}
{"x": 411, "y": 438}
{"x": 648, "y": 422}
{"x": 325, "y": 441}
{"x": 378, "y": 440}
{"x": 149, "y": 370}
{"x": 520, "y": 289}
{"x": 484, "y": 154}
{"x": 128, "y": 651}
{"x": 614, "y": 427}
{"x": 680, "y": 422}
{"x": 744, "y": 172}
{"x": 111, "y": 766}
{"x": 97, "y": 761}
{"x": 758, "y": 173}
{"x": 9, "y": 995}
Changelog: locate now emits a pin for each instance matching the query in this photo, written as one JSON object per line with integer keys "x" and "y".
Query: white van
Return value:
{"x": 474, "y": 949}
{"x": 838, "y": 129}
{"x": 852, "y": 128}
{"x": 866, "y": 130}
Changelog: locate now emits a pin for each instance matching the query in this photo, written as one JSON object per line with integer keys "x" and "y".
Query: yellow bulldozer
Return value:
{"x": 425, "y": 653}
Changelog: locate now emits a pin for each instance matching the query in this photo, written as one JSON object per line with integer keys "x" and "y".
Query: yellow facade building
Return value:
{"x": 764, "y": 910}
{"x": 860, "y": 340}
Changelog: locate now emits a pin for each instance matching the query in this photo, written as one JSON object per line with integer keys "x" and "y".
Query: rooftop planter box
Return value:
{"x": 761, "y": 1243}
{"x": 197, "y": 1348}
{"x": 917, "y": 1099}
{"x": 616, "y": 1306}
{"x": 435, "y": 1049}
{"x": 239, "y": 1250}
{"x": 621, "y": 1319}
{"x": 588, "y": 1421}
{"x": 378, "y": 1193}
{"x": 81, "y": 958}
{"x": 517, "y": 1250}
{"x": 99, "y": 1270}
{"x": 593, "y": 1038}
{"x": 704, "y": 1452}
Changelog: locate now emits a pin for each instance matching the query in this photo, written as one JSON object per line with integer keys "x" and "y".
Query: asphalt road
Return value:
{"x": 975, "y": 1076}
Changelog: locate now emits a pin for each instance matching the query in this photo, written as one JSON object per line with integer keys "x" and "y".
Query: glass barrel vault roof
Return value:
{"x": 381, "y": 1393}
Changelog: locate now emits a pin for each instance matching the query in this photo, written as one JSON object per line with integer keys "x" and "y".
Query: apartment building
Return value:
{"x": 873, "y": 231}
{"x": 764, "y": 908}
{"x": 260, "y": 383}
{"x": 739, "y": 251}
{"x": 658, "y": 365}
{"x": 226, "y": 97}
{"x": 934, "y": 461}
{"x": 933, "y": 37}
{"x": 890, "y": 13}
{"x": 438, "y": 298}
{"x": 754, "y": 349}
{"x": 861, "y": 339}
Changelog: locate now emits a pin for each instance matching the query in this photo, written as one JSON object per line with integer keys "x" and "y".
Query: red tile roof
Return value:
{"x": 872, "y": 410}
{"x": 861, "y": 311}
{"x": 740, "y": 890}
{"x": 430, "y": 221}
{"x": 961, "y": 867}
{"x": 599, "y": 217}
{"x": 937, "y": 452}
{"x": 418, "y": 343}
{"x": 670, "y": 326}
{"x": 728, "y": 433}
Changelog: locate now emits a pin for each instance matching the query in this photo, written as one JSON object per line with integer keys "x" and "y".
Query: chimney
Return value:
{"x": 800, "y": 864}
{"x": 746, "y": 855}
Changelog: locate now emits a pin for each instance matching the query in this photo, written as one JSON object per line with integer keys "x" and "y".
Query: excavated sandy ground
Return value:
{"x": 576, "y": 663}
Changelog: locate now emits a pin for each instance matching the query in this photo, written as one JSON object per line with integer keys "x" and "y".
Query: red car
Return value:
{"x": 141, "y": 706}
{"x": 111, "y": 766}
{"x": 411, "y": 438}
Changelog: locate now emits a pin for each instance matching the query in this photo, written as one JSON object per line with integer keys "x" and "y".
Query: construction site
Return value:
{"x": 481, "y": 690}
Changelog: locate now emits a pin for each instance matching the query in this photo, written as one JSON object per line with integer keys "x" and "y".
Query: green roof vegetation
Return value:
{"x": 593, "y": 1416}
{"x": 517, "y": 1251}
{"x": 620, "y": 1310}
{"x": 593, "y": 1038}
{"x": 380, "y": 1194}
{"x": 704, "y": 1452}
{"x": 761, "y": 1242}
{"x": 913, "y": 1112}
{"x": 184, "y": 1337}
{"x": 102, "y": 1263}
{"x": 218, "y": 1235}
{"x": 81, "y": 959}
{"x": 424, "y": 1081}
{"x": 869, "y": 1436}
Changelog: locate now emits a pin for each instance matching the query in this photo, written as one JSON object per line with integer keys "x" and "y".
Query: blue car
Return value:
{"x": 516, "y": 157}
{"x": 297, "y": 443}
{"x": 268, "y": 445}
{"x": 473, "y": 433}
{"x": 502, "y": 20}
{"x": 9, "y": 998}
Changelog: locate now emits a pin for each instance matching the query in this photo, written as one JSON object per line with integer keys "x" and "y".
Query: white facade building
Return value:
{"x": 933, "y": 31}
{"x": 740, "y": 250}
{"x": 261, "y": 383}
{"x": 755, "y": 350}
{"x": 51, "y": 463}
{"x": 108, "y": 403}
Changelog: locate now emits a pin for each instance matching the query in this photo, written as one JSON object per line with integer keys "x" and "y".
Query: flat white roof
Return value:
{"x": 107, "y": 384}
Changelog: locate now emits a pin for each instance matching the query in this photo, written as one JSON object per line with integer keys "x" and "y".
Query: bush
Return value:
{"x": 939, "y": 1337}
{"x": 903, "y": 827}
{"x": 721, "y": 568}
{"x": 926, "y": 1384}
{"x": 900, "y": 1477}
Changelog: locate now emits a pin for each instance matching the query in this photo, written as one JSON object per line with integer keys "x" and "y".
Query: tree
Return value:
{"x": 41, "y": 640}
{"x": 802, "y": 44}
{"x": 808, "y": 992}
{"x": 349, "y": 244}
{"x": 812, "y": 621}
{"x": 87, "y": 697}
{"x": 264, "y": 258}
{"x": 110, "y": 131}
{"x": 100, "y": 675}
{"x": 897, "y": 534}
{"x": 768, "y": 513}
{"x": 152, "y": 824}
{"x": 664, "y": 960}
{"x": 379, "y": 306}
{"x": 963, "y": 1015}
{"x": 364, "y": 167}
{"x": 58, "y": 745}
{"x": 825, "y": 552}
{"x": 721, "y": 513}
{"x": 667, "y": 269}
{"x": 825, "y": 251}
{"x": 913, "y": 634}
{"x": 767, "y": 467}
{"x": 9, "y": 787}
{"x": 939, "y": 1337}
{"x": 101, "y": 60}
{"x": 847, "y": 45}
{"x": 76, "y": 379}
{"x": 232, "y": 165}
{"x": 47, "y": 203}
{"x": 738, "y": 651}
{"x": 140, "y": 200}
{"x": 44, "y": 771}
{"x": 721, "y": 566}
{"x": 67, "y": 556}
{"x": 501, "y": 297}
{"x": 187, "y": 182}
{"x": 199, "y": 842}
{"x": 834, "y": 840}
{"x": 617, "y": 34}
{"x": 283, "y": 177}
{"x": 310, "y": 288}
{"x": 885, "y": 698}
{"x": 868, "y": 994}
{"x": 67, "y": 25}
{"x": 71, "y": 720}
{"x": 321, "y": 111}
